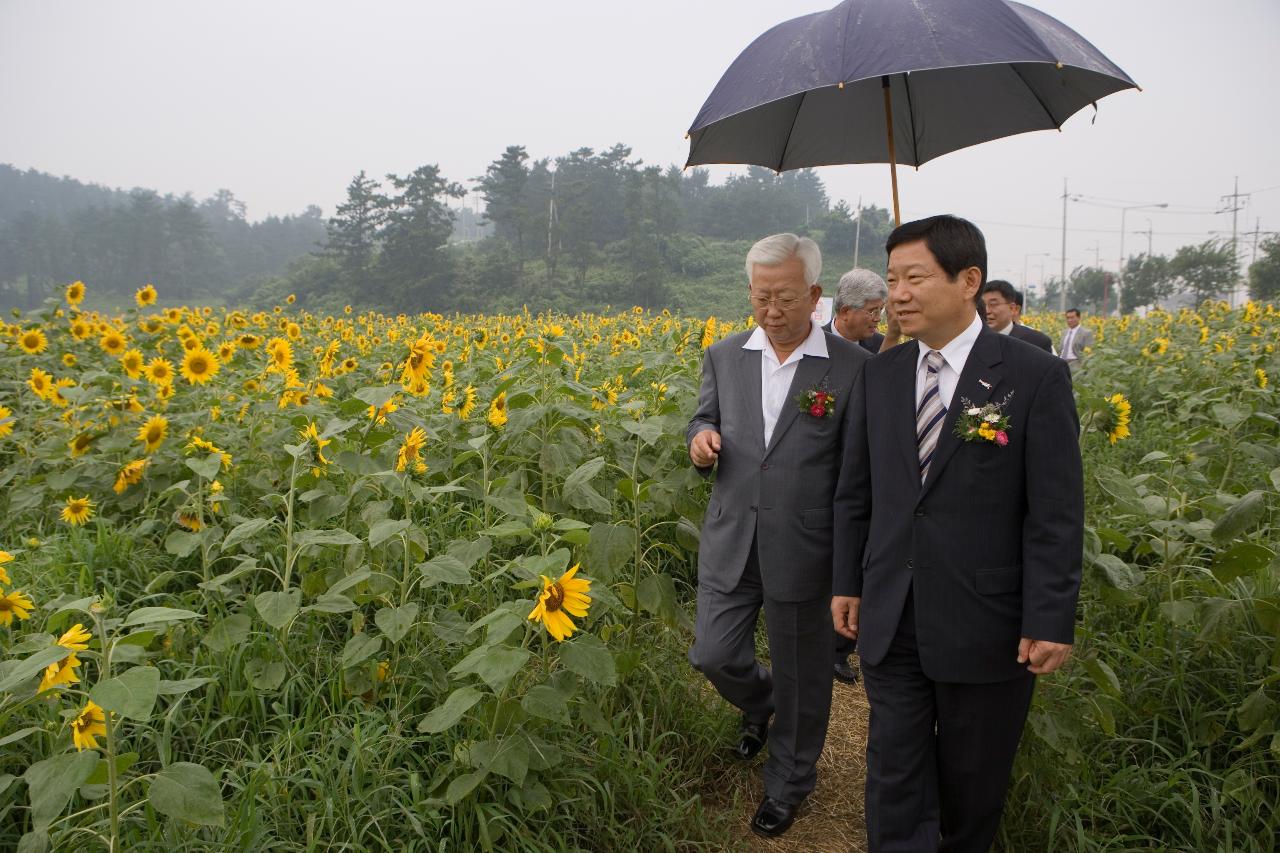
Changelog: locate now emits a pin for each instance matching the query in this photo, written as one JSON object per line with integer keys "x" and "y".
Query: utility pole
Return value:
{"x": 857, "y": 234}
{"x": 1062, "y": 281}
{"x": 1149, "y": 230}
{"x": 1234, "y": 210}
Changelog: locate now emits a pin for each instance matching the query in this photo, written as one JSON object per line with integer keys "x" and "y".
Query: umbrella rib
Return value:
{"x": 782, "y": 161}
{"x": 1057, "y": 124}
{"x": 911, "y": 115}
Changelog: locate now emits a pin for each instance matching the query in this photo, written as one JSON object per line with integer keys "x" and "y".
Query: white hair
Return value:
{"x": 778, "y": 248}
{"x": 857, "y": 287}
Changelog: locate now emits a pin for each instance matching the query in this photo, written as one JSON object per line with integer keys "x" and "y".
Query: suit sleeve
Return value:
{"x": 708, "y": 414}
{"x": 1053, "y": 527}
{"x": 851, "y": 505}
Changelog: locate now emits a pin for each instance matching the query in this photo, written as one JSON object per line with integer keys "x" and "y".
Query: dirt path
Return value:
{"x": 831, "y": 821}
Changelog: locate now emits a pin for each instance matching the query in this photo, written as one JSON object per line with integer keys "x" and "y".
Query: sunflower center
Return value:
{"x": 555, "y": 598}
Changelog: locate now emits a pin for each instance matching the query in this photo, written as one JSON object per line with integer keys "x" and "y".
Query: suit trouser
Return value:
{"x": 939, "y": 754}
{"x": 797, "y": 692}
{"x": 844, "y": 647}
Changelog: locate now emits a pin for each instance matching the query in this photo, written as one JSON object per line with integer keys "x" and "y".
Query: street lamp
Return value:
{"x": 1120, "y": 275}
{"x": 1025, "y": 258}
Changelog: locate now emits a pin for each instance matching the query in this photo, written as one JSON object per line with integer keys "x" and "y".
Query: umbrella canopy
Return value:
{"x": 812, "y": 90}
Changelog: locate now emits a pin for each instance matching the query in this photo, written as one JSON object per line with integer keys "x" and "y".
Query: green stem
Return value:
{"x": 113, "y": 804}
{"x": 288, "y": 527}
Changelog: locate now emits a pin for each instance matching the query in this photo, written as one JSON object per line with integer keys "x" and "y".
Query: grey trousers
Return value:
{"x": 798, "y": 690}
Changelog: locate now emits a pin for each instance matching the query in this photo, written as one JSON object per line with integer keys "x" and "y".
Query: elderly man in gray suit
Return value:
{"x": 771, "y": 418}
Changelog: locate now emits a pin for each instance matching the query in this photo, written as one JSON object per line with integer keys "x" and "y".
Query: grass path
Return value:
{"x": 831, "y": 821}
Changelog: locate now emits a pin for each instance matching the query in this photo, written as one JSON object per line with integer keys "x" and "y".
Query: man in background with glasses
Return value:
{"x": 858, "y": 308}
{"x": 1000, "y": 305}
{"x": 771, "y": 418}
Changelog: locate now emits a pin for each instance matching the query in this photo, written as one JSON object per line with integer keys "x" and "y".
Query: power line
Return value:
{"x": 1091, "y": 230}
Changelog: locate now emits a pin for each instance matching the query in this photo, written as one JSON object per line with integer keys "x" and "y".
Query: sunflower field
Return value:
{"x": 279, "y": 581}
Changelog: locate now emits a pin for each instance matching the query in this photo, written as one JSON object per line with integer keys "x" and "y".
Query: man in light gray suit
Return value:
{"x": 771, "y": 419}
{"x": 1075, "y": 340}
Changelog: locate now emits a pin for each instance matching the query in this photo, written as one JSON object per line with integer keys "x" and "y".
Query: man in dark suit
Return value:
{"x": 772, "y": 416}
{"x": 1000, "y": 301}
{"x": 858, "y": 307}
{"x": 963, "y": 540}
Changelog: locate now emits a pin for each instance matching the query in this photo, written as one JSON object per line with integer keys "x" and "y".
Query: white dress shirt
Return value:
{"x": 775, "y": 378}
{"x": 1069, "y": 344}
{"x": 954, "y": 355}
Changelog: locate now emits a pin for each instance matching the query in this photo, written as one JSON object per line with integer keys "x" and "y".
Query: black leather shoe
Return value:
{"x": 846, "y": 672}
{"x": 773, "y": 817}
{"x": 751, "y": 738}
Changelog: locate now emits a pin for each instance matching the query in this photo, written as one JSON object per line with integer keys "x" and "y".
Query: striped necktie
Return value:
{"x": 930, "y": 413}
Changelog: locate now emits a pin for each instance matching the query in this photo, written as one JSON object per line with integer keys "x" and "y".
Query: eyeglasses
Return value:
{"x": 782, "y": 303}
{"x": 874, "y": 313}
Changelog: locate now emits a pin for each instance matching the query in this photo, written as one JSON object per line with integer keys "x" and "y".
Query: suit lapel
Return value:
{"x": 809, "y": 373}
{"x": 902, "y": 405}
{"x": 748, "y": 375}
{"x": 977, "y": 382}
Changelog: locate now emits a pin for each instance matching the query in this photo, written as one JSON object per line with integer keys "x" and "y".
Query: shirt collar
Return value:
{"x": 1007, "y": 330}
{"x": 814, "y": 345}
{"x": 956, "y": 353}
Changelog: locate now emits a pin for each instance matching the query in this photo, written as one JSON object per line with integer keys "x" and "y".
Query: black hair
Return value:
{"x": 955, "y": 243}
{"x": 1004, "y": 288}
{"x": 1077, "y": 310}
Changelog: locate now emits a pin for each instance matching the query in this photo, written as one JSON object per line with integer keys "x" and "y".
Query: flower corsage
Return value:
{"x": 986, "y": 423}
{"x": 818, "y": 402}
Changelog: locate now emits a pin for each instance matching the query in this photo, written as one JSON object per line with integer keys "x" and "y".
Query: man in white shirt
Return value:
{"x": 1075, "y": 340}
{"x": 772, "y": 413}
{"x": 858, "y": 307}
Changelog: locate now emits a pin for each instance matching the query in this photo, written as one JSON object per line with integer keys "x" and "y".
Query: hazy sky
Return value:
{"x": 283, "y": 102}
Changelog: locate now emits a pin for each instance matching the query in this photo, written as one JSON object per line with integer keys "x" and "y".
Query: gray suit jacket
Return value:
{"x": 1083, "y": 339}
{"x": 780, "y": 495}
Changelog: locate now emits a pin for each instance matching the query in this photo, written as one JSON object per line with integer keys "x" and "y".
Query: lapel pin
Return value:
{"x": 985, "y": 384}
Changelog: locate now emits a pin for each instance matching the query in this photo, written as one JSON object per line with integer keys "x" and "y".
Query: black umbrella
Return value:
{"x": 898, "y": 81}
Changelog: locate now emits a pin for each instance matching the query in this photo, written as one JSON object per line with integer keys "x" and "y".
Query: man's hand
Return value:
{"x": 704, "y": 450}
{"x": 893, "y": 331}
{"x": 844, "y": 615}
{"x": 1042, "y": 656}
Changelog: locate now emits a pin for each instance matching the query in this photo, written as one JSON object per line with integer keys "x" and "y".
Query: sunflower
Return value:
{"x": 40, "y": 383}
{"x": 145, "y": 296}
{"x": 1117, "y": 420}
{"x": 1260, "y": 377}
{"x": 15, "y": 603}
{"x": 497, "y": 416}
{"x": 151, "y": 324}
{"x": 312, "y": 434}
{"x": 112, "y": 343}
{"x": 33, "y": 341}
{"x": 249, "y": 341}
{"x": 349, "y": 364}
{"x": 131, "y": 362}
{"x": 281, "y": 354}
{"x": 379, "y": 414}
{"x": 226, "y": 351}
{"x": 6, "y": 425}
{"x": 5, "y": 557}
{"x": 189, "y": 521}
{"x": 81, "y": 330}
{"x": 89, "y": 725}
{"x": 559, "y": 600}
{"x": 411, "y": 447}
{"x": 290, "y": 299}
{"x": 80, "y": 445}
{"x": 191, "y": 343}
{"x": 293, "y": 330}
{"x": 55, "y": 392}
{"x": 173, "y": 315}
{"x": 159, "y": 371}
{"x": 77, "y": 511}
{"x": 152, "y": 433}
{"x": 199, "y": 366}
{"x": 468, "y": 404}
{"x": 61, "y": 672}
{"x": 75, "y": 292}
{"x": 130, "y": 474}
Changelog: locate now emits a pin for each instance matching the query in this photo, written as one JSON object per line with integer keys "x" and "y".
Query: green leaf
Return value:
{"x": 185, "y": 685}
{"x": 508, "y": 528}
{"x": 494, "y": 665}
{"x": 1229, "y": 416}
{"x": 385, "y": 529}
{"x": 445, "y": 568}
{"x": 130, "y": 694}
{"x": 500, "y": 624}
{"x": 277, "y": 608}
{"x": 99, "y": 775}
{"x": 337, "y": 426}
{"x": 265, "y": 675}
{"x": 445, "y": 716}
{"x": 358, "y": 648}
{"x": 188, "y": 792}
{"x": 328, "y": 602}
{"x": 244, "y": 531}
{"x": 335, "y": 536}
{"x": 657, "y": 594}
{"x": 230, "y": 632}
{"x": 29, "y": 668}
{"x": 377, "y": 395}
{"x": 609, "y": 549}
{"x": 395, "y": 622}
{"x": 52, "y": 782}
{"x": 1245, "y": 558}
{"x": 648, "y": 431}
{"x": 463, "y": 785}
{"x": 589, "y": 657}
{"x": 81, "y": 604}
{"x": 1104, "y": 677}
{"x": 35, "y": 841}
{"x": 1119, "y": 573}
{"x": 357, "y": 577}
{"x": 1243, "y": 515}
{"x": 14, "y": 737}
{"x": 1256, "y": 710}
{"x": 208, "y": 467}
{"x": 158, "y": 615}
{"x": 577, "y": 489}
{"x": 546, "y": 702}
{"x": 508, "y": 757}
{"x": 1179, "y": 612}
{"x": 180, "y": 543}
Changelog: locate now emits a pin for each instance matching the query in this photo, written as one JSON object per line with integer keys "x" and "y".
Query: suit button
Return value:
{"x": 753, "y": 508}
{"x": 919, "y": 512}
{"x": 764, "y": 466}
{"x": 911, "y": 564}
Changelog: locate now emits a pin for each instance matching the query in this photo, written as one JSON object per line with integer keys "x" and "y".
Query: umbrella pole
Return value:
{"x": 893, "y": 157}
